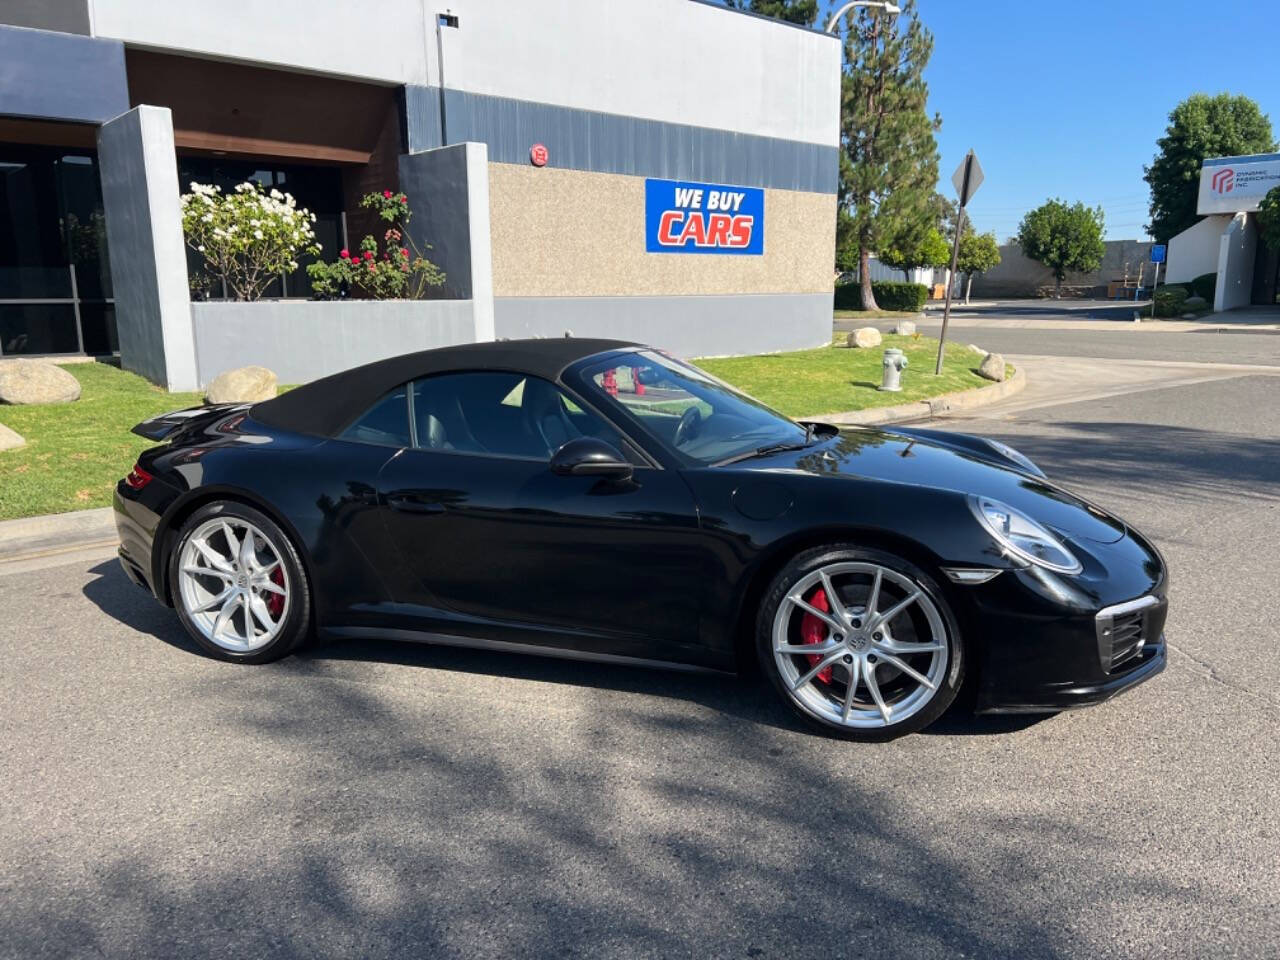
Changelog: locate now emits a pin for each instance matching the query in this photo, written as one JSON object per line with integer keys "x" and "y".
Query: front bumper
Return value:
{"x": 1047, "y": 642}
{"x": 1052, "y": 697}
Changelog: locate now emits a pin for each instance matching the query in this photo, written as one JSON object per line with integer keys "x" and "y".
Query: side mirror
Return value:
{"x": 589, "y": 457}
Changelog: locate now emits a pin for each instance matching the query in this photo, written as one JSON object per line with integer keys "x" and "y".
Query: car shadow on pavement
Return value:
{"x": 246, "y": 814}
{"x": 1187, "y": 463}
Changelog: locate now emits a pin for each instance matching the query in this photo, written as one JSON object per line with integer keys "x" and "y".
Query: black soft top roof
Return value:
{"x": 328, "y": 406}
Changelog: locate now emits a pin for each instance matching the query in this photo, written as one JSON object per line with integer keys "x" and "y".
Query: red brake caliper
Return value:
{"x": 813, "y": 630}
{"x": 275, "y": 601}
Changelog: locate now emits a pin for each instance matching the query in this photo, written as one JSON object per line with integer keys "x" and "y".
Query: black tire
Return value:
{"x": 947, "y": 683}
{"x": 294, "y": 629}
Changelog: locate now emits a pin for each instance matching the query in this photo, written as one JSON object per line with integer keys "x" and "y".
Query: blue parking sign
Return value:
{"x": 1158, "y": 251}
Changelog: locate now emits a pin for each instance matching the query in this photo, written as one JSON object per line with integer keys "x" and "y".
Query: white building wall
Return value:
{"x": 1194, "y": 252}
{"x": 385, "y": 42}
{"x": 1238, "y": 247}
{"x": 672, "y": 60}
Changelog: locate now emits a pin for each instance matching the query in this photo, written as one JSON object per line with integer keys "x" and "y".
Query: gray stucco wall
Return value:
{"x": 301, "y": 341}
{"x": 686, "y": 326}
{"x": 61, "y": 76}
{"x": 148, "y": 257}
{"x": 1018, "y": 276}
{"x": 609, "y": 143}
{"x": 69, "y": 16}
{"x": 436, "y": 183}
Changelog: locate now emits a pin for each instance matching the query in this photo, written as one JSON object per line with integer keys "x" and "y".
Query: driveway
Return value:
{"x": 391, "y": 800}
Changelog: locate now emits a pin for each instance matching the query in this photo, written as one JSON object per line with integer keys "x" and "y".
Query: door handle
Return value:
{"x": 408, "y": 503}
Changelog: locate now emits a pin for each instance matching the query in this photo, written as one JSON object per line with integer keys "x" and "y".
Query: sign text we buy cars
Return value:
{"x": 681, "y": 217}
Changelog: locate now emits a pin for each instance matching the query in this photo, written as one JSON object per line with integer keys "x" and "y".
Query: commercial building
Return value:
{"x": 663, "y": 170}
{"x": 1226, "y": 242}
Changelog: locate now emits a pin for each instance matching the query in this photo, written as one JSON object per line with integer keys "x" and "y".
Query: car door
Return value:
{"x": 497, "y": 546}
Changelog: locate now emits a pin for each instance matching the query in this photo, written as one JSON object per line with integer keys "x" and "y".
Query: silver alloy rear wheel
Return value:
{"x": 232, "y": 584}
{"x": 860, "y": 645}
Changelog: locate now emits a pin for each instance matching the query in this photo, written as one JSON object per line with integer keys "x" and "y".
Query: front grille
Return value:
{"x": 1125, "y": 630}
{"x": 1127, "y": 638}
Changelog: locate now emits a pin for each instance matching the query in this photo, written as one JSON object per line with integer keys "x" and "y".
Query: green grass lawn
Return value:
{"x": 76, "y": 452}
{"x": 836, "y": 379}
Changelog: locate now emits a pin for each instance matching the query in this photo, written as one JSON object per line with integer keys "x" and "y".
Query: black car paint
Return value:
{"x": 665, "y": 566}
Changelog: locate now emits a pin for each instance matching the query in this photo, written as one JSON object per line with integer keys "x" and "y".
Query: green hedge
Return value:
{"x": 890, "y": 295}
{"x": 1205, "y": 285}
{"x": 1170, "y": 301}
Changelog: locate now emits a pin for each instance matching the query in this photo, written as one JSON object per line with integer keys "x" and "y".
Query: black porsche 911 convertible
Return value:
{"x": 600, "y": 500}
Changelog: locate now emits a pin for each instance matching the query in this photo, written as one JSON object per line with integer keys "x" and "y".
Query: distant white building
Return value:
{"x": 1226, "y": 241}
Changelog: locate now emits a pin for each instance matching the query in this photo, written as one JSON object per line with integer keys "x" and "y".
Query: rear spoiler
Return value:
{"x": 165, "y": 425}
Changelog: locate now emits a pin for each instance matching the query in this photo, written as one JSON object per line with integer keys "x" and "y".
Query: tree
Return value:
{"x": 979, "y": 253}
{"x": 803, "y": 12}
{"x": 1269, "y": 218}
{"x": 1063, "y": 238}
{"x": 929, "y": 249}
{"x": 889, "y": 162}
{"x": 1199, "y": 127}
{"x": 247, "y": 237}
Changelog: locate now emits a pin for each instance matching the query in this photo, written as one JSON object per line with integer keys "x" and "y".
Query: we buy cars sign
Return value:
{"x": 683, "y": 217}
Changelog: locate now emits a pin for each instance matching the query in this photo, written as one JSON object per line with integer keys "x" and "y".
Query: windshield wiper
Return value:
{"x": 766, "y": 450}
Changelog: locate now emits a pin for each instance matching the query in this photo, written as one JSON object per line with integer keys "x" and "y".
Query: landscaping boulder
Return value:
{"x": 865, "y": 337}
{"x": 36, "y": 381}
{"x": 1195, "y": 302}
{"x": 242, "y": 385}
{"x": 10, "y": 439}
{"x": 905, "y": 328}
{"x": 992, "y": 367}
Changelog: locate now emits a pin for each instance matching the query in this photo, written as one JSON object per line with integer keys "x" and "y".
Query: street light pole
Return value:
{"x": 835, "y": 18}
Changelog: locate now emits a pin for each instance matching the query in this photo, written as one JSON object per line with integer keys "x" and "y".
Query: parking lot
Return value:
{"x": 392, "y": 800}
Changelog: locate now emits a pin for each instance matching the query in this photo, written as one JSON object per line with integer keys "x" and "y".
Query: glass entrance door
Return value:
{"x": 55, "y": 278}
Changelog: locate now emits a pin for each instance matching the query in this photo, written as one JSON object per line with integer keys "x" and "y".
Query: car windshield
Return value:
{"x": 702, "y": 417}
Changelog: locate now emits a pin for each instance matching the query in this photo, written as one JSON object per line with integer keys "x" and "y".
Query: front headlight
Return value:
{"x": 1023, "y": 537}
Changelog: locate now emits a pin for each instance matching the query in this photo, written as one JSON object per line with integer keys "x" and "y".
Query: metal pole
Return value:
{"x": 955, "y": 259}
{"x": 1155, "y": 284}
{"x": 946, "y": 310}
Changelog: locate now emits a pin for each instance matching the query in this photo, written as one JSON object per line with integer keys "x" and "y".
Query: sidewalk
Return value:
{"x": 1057, "y": 380}
{"x": 33, "y": 542}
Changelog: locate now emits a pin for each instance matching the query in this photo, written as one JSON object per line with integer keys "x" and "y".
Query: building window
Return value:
{"x": 55, "y": 277}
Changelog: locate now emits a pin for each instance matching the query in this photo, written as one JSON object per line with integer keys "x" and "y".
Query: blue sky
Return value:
{"x": 1068, "y": 98}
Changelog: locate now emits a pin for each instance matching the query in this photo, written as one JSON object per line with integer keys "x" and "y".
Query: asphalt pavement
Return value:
{"x": 393, "y": 800}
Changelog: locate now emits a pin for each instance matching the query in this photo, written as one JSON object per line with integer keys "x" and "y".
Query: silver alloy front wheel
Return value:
{"x": 232, "y": 584}
{"x": 860, "y": 645}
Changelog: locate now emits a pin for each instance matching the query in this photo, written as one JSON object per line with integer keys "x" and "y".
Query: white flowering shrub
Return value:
{"x": 248, "y": 237}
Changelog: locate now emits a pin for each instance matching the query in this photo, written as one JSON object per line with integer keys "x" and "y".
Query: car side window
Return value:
{"x": 385, "y": 423}
{"x": 500, "y": 414}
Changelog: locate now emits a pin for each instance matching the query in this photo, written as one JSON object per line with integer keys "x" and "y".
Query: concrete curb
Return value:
{"x": 933, "y": 407}
{"x": 32, "y": 538}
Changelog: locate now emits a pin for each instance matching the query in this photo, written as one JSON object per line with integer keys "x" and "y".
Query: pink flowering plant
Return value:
{"x": 248, "y": 237}
{"x": 395, "y": 269}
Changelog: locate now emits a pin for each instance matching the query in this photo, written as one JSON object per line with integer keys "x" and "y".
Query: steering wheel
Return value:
{"x": 689, "y": 427}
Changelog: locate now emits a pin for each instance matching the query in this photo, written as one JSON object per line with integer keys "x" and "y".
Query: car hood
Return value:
{"x": 944, "y": 462}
